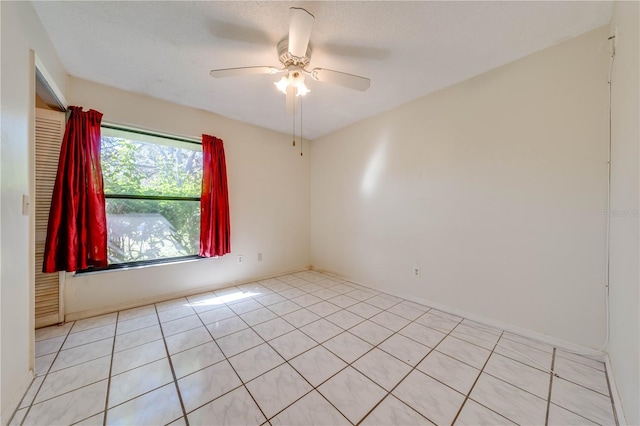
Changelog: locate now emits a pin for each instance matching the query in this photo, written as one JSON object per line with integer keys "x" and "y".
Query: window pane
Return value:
{"x": 134, "y": 167}
{"x": 152, "y": 229}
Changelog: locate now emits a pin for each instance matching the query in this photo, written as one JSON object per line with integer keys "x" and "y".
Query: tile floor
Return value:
{"x": 306, "y": 348}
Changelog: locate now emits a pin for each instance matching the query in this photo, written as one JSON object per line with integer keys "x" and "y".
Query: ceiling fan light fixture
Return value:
{"x": 294, "y": 79}
{"x": 282, "y": 84}
{"x": 302, "y": 89}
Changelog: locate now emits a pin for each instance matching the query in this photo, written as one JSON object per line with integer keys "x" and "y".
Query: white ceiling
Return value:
{"x": 408, "y": 49}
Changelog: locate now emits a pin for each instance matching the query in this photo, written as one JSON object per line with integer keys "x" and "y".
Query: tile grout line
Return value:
{"x": 286, "y": 361}
{"x": 413, "y": 367}
{"x": 582, "y": 364}
{"x": 547, "y": 371}
{"x": 160, "y": 325}
{"x": 461, "y": 321}
{"x": 243, "y": 384}
{"x": 587, "y": 387}
{"x": 501, "y": 336}
{"x": 313, "y": 388}
{"x": 173, "y": 372}
{"x": 582, "y": 414}
{"x": 551, "y": 373}
{"x": 613, "y": 406}
{"x": 375, "y": 293}
{"x": 72, "y": 390}
{"x": 511, "y": 384}
{"x": 581, "y": 385}
{"x": 496, "y": 345}
{"x": 376, "y": 346}
{"x": 31, "y": 404}
{"x": 476, "y": 381}
{"x": 163, "y": 336}
{"x": 93, "y": 327}
{"x": 537, "y": 366}
{"x": 113, "y": 346}
{"x": 507, "y": 336}
{"x": 136, "y": 345}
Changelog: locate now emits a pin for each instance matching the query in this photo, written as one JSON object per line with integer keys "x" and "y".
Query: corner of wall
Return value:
{"x": 22, "y": 36}
{"x": 624, "y": 344}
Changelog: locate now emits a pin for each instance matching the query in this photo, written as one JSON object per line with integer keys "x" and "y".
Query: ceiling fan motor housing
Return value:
{"x": 288, "y": 60}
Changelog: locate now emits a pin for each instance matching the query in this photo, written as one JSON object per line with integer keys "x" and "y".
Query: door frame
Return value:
{"x": 38, "y": 71}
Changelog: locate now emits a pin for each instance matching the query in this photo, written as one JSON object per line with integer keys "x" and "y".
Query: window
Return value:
{"x": 152, "y": 186}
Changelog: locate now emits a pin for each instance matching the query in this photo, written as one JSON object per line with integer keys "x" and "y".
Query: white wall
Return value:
{"x": 494, "y": 187}
{"x": 625, "y": 279}
{"x": 268, "y": 196}
{"x": 21, "y": 34}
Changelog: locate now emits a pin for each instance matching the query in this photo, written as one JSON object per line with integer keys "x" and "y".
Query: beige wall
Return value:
{"x": 625, "y": 276}
{"x": 21, "y": 34}
{"x": 268, "y": 196}
{"x": 494, "y": 187}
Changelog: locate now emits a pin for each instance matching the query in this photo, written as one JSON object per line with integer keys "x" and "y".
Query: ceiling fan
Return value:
{"x": 295, "y": 54}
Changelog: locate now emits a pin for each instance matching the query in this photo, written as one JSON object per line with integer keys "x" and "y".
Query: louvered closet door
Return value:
{"x": 49, "y": 133}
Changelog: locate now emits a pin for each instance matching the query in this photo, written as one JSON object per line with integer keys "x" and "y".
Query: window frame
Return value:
{"x": 149, "y": 262}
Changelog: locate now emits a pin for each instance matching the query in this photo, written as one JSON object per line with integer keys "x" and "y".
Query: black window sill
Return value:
{"x": 140, "y": 264}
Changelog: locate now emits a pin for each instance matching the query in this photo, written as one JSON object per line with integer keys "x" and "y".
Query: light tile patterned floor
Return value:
{"x": 306, "y": 348}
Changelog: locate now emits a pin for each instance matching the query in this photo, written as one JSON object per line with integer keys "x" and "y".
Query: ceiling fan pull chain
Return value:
{"x": 294, "y": 124}
{"x": 300, "y": 126}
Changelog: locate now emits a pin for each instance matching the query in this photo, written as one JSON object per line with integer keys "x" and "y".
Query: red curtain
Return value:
{"x": 77, "y": 229}
{"x": 215, "y": 233}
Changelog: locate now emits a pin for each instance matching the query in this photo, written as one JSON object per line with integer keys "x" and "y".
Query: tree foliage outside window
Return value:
{"x": 152, "y": 195}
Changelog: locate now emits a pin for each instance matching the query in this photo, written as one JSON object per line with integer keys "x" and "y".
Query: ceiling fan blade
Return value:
{"x": 290, "y": 100}
{"x": 341, "y": 79}
{"x": 233, "y": 72}
{"x": 300, "y": 24}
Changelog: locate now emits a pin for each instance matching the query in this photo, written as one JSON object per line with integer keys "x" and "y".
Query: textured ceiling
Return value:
{"x": 408, "y": 49}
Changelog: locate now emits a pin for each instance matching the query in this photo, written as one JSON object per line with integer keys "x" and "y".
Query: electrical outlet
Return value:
{"x": 240, "y": 259}
{"x": 416, "y": 271}
{"x": 259, "y": 257}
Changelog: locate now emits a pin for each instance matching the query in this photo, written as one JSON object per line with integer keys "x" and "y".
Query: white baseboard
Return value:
{"x": 522, "y": 331}
{"x": 11, "y": 402}
{"x": 500, "y": 325}
{"x": 74, "y": 316}
{"x": 617, "y": 402}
